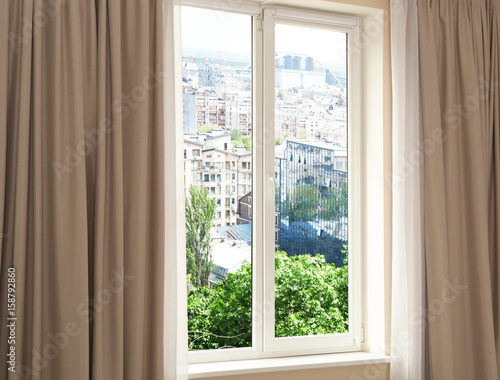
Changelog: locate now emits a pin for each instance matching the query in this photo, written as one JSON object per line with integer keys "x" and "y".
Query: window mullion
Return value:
{"x": 258, "y": 181}
{"x": 268, "y": 25}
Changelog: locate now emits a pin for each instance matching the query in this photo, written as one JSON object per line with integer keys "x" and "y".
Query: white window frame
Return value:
{"x": 345, "y": 342}
{"x": 264, "y": 345}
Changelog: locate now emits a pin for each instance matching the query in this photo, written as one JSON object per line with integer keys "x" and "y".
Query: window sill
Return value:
{"x": 241, "y": 367}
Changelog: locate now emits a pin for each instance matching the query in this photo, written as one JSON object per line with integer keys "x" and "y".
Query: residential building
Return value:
{"x": 224, "y": 170}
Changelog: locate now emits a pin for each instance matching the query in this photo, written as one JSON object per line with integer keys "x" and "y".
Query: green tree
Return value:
{"x": 311, "y": 299}
{"x": 247, "y": 142}
{"x": 334, "y": 203}
{"x": 303, "y": 203}
{"x": 222, "y": 316}
{"x": 238, "y": 139}
{"x": 200, "y": 212}
{"x": 311, "y": 296}
{"x": 206, "y": 128}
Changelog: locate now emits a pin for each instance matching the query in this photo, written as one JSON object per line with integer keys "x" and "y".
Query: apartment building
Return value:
{"x": 224, "y": 170}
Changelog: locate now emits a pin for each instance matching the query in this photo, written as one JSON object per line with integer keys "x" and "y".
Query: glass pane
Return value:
{"x": 217, "y": 114}
{"x": 311, "y": 181}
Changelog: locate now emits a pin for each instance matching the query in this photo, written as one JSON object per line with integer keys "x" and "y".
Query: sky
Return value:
{"x": 213, "y": 30}
{"x": 231, "y": 32}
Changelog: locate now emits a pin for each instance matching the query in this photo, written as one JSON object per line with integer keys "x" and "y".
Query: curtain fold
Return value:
{"x": 175, "y": 314}
{"x": 408, "y": 332}
{"x": 459, "y": 70}
{"x": 82, "y": 187}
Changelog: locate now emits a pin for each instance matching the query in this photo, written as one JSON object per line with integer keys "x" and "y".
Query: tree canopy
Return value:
{"x": 311, "y": 299}
{"x": 238, "y": 139}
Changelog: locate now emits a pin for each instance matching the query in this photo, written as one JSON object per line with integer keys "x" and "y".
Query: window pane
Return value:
{"x": 311, "y": 181}
{"x": 217, "y": 124}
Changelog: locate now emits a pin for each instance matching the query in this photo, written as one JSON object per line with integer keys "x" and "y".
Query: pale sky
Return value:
{"x": 328, "y": 46}
{"x": 208, "y": 29}
{"x": 223, "y": 31}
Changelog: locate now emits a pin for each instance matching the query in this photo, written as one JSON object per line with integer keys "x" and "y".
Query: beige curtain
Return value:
{"x": 460, "y": 78}
{"x": 81, "y": 188}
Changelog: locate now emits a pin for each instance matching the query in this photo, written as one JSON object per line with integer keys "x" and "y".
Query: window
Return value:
{"x": 217, "y": 79}
{"x": 302, "y": 91}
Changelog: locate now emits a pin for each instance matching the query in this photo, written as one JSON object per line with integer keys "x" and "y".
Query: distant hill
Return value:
{"x": 237, "y": 59}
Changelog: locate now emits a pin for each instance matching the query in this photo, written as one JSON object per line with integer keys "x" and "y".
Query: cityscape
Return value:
{"x": 310, "y": 155}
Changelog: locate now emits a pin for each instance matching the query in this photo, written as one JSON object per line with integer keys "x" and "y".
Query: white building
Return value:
{"x": 224, "y": 170}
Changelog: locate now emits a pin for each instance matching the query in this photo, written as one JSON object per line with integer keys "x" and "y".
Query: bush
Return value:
{"x": 311, "y": 299}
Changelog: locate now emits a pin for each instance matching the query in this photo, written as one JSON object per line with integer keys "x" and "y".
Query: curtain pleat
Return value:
{"x": 81, "y": 191}
{"x": 459, "y": 69}
{"x": 408, "y": 332}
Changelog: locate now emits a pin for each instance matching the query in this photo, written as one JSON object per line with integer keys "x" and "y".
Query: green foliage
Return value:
{"x": 311, "y": 299}
{"x": 238, "y": 139}
{"x": 247, "y": 143}
{"x": 222, "y": 316}
{"x": 307, "y": 202}
{"x": 334, "y": 203}
{"x": 309, "y": 296}
{"x": 200, "y": 211}
{"x": 206, "y": 128}
{"x": 303, "y": 203}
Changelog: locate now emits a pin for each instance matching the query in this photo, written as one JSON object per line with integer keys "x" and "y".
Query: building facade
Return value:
{"x": 311, "y": 199}
{"x": 225, "y": 171}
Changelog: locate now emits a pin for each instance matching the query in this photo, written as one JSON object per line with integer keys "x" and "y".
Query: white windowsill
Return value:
{"x": 197, "y": 371}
